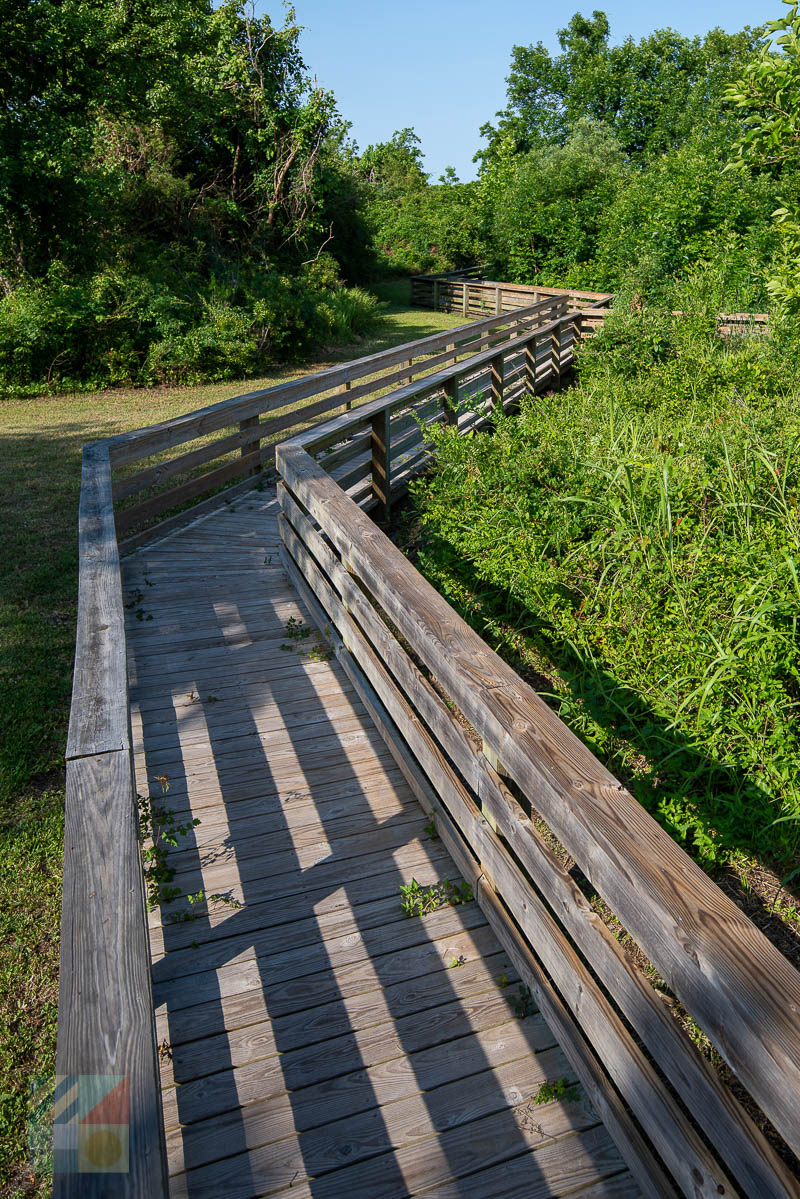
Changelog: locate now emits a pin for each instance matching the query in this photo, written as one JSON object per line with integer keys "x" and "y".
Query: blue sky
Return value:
{"x": 440, "y": 65}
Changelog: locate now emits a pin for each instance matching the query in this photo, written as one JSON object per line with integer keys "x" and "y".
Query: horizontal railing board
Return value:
{"x": 128, "y": 518}
{"x": 105, "y": 1012}
{"x": 750, "y": 1159}
{"x": 463, "y": 820}
{"x": 154, "y": 475}
{"x": 691, "y": 932}
{"x": 141, "y": 443}
{"x": 327, "y": 434}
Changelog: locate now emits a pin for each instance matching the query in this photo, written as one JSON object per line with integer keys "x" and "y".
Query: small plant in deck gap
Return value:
{"x": 296, "y": 631}
{"x": 430, "y": 829}
{"x": 160, "y": 825}
{"x": 562, "y": 1088}
{"x": 417, "y": 900}
{"x": 522, "y": 1004}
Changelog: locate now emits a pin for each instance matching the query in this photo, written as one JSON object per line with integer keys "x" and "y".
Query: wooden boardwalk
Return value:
{"x": 315, "y": 1040}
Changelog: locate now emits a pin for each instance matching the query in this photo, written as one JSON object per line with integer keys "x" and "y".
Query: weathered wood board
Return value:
{"x": 314, "y": 1039}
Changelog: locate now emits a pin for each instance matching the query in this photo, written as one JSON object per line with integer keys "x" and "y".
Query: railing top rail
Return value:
{"x": 105, "y": 1006}
{"x": 467, "y": 270}
{"x": 506, "y": 286}
{"x": 99, "y": 712}
{"x": 123, "y": 447}
{"x": 336, "y": 429}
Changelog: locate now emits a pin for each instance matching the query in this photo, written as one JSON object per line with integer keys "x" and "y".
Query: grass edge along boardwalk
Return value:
{"x": 364, "y": 593}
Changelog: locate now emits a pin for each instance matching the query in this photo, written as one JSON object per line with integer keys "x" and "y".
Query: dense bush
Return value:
{"x": 117, "y": 327}
{"x": 168, "y": 181}
{"x": 643, "y": 531}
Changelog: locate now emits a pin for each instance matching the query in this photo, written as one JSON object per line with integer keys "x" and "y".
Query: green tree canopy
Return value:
{"x": 652, "y": 94}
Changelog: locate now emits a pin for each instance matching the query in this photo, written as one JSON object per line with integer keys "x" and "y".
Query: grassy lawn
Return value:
{"x": 40, "y": 454}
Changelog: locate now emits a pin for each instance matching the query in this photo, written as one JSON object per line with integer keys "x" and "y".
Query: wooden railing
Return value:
{"x": 105, "y": 1004}
{"x": 508, "y": 784}
{"x": 106, "y": 1021}
{"x": 241, "y": 432}
{"x": 471, "y": 295}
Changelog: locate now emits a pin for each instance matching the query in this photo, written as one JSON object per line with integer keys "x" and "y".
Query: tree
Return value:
{"x": 767, "y": 95}
{"x": 545, "y": 208}
{"x": 169, "y": 176}
{"x": 652, "y": 94}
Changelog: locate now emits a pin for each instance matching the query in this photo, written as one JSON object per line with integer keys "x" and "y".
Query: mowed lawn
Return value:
{"x": 40, "y": 455}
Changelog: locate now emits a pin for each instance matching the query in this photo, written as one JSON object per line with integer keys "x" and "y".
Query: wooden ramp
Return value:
{"x": 314, "y": 1039}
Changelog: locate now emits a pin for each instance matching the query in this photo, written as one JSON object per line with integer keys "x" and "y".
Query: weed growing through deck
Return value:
{"x": 430, "y": 829}
{"x": 296, "y": 631}
{"x": 561, "y": 1089}
{"x": 417, "y": 900}
{"x": 522, "y": 1004}
{"x": 299, "y": 632}
{"x": 200, "y": 897}
{"x": 159, "y": 825}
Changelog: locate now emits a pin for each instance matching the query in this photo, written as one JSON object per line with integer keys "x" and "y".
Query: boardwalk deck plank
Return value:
{"x": 314, "y": 1038}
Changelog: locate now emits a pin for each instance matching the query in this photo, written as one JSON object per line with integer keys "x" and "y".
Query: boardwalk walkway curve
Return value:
{"x": 268, "y": 665}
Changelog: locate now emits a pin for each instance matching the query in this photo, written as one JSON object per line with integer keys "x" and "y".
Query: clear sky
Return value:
{"x": 440, "y": 65}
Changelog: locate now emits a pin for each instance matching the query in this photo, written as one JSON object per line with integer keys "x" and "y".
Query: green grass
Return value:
{"x": 40, "y": 459}
{"x": 636, "y": 541}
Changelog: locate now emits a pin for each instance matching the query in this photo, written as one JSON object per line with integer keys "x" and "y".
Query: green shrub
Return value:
{"x": 169, "y": 325}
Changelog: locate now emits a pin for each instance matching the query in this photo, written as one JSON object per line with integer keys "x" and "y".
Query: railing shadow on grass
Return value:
{"x": 295, "y": 992}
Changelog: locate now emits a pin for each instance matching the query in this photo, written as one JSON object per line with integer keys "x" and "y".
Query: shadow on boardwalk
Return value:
{"x": 318, "y": 1040}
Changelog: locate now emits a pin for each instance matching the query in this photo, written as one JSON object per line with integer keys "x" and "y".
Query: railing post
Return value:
{"x": 530, "y": 365}
{"x": 498, "y": 299}
{"x": 496, "y": 382}
{"x": 251, "y": 422}
{"x": 465, "y": 299}
{"x": 348, "y": 403}
{"x": 450, "y": 402}
{"x": 555, "y": 356}
{"x": 436, "y": 295}
{"x": 381, "y": 462}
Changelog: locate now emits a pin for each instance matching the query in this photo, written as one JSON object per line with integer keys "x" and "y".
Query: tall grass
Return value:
{"x": 642, "y": 530}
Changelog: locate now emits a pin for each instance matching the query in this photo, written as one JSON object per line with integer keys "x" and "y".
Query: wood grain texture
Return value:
{"x": 99, "y": 712}
{"x": 105, "y": 1001}
{"x": 129, "y": 518}
{"x": 142, "y": 443}
{"x": 349, "y": 423}
{"x": 689, "y": 1160}
{"x": 315, "y": 1027}
{"x": 638, "y": 1156}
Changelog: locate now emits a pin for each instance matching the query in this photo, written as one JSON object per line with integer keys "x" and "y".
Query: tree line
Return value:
{"x": 181, "y": 201}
